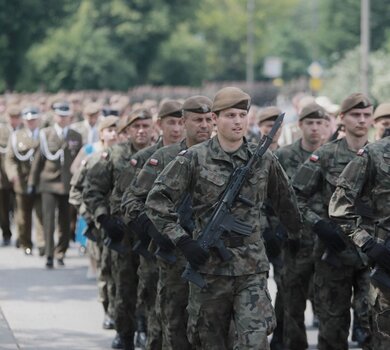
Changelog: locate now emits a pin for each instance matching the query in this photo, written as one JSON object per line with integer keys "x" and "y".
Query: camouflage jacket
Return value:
{"x": 103, "y": 175}
{"x": 366, "y": 175}
{"x": 204, "y": 171}
{"x": 318, "y": 176}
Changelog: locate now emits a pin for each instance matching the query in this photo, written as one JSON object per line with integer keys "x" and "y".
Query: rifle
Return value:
{"x": 221, "y": 220}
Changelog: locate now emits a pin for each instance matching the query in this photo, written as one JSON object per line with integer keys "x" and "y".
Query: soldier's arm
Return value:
{"x": 306, "y": 183}
{"x": 11, "y": 165}
{"x": 165, "y": 195}
{"x": 283, "y": 200}
{"x": 36, "y": 168}
{"x": 354, "y": 179}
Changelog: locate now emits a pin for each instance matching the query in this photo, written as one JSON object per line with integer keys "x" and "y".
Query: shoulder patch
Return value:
{"x": 314, "y": 158}
{"x": 360, "y": 152}
{"x": 104, "y": 155}
{"x": 183, "y": 152}
{"x": 153, "y": 161}
{"x": 133, "y": 162}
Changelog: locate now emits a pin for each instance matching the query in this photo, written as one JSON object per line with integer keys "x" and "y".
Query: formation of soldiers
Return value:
{"x": 145, "y": 180}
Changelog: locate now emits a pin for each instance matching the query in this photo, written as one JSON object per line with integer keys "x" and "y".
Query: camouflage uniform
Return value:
{"x": 237, "y": 288}
{"x": 333, "y": 285}
{"x": 298, "y": 270}
{"x": 172, "y": 291}
{"x": 368, "y": 174}
{"x": 147, "y": 270}
{"x": 97, "y": 195}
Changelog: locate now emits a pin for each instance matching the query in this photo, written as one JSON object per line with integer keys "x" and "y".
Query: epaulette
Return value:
{"x": 133, "y": 162}
{"x": 314, "y": 158}
{"x": 153, "y": 161}
{"x": 360, "y": 152}
{"x": 183, "y": 152}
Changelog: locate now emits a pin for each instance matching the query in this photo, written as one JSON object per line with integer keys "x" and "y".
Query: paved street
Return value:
{"x": 44, "y": 309}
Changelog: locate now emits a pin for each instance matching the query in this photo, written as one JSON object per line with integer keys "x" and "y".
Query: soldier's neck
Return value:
{"x": 229, "y": 146}
{"x": 309, "y": 147}
{"x": 354, "y": 142}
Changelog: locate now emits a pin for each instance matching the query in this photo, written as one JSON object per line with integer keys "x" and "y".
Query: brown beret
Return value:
{"x": 14, "y": 111}
{"x": 231, "y": 97}
{"x": 383, "y": 110}
{"x": 356, "y": 100}
{"x": 197, "y": 104}
{"x": 268, "y": 113}
{"x": 312, "y": 110}
{"x": 108, "y": 122}
{"x": 170, "y": 108}
{"x": 122, "y": 124}
{"x": 91, "y": 108}
{"x": 140, "y": 113}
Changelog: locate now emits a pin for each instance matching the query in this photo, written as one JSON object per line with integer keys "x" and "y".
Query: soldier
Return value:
{"x": 381, "y": 120}
{"x": 172, "y": 291}
{"x": 6, "y": 193}
{"x": 23, "y": 148}
{"x": 50, "y": 175}
{"x": 171, "y": 125}
{"x": 98, "y": 196}
{"x": 89, "y": 127}
{"x": 267, "y": 117}
{"x": 299, "y": 269}
{"x": 237, "y": 289}
{"x": 368, "y": 175}
{"x": 339, "y": 269}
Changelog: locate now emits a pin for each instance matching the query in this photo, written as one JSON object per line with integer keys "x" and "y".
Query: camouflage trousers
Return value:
{"x": 245, "y": 299}
{"x": 297, "y": 277}
{"x": 171, "y": 303}
{"x": 380, "y": 319}
{"x": 333, "y": 287}
{"x": 125, "y": 276}
{"x": 277, "y": 336}
{"x": 146, "y": 301}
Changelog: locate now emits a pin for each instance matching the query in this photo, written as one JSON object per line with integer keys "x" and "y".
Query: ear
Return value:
{"x": 214, "y": 116}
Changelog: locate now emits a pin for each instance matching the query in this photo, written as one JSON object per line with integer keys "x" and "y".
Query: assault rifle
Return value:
{"x": 222, "y": 221}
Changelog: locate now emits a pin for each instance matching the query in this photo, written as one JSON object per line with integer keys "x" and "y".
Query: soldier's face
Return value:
{"x": 62, "y": 121}
{"x": 266, "y": 127}
{"x": 92, "y": 119}
{"x": 198, "y": 127}
{"x": 32, "y": 124}
{"x": 312, "y": 130}
{"x": 141, "y": 132}
{"x": 232, "y": 124}
{"x": 109, "y": 136}
{"x": 172, "y": 129}
{"x": 357, "y": 121}
{"x": 15, "y": 121}
{"x": 381, "y": 125}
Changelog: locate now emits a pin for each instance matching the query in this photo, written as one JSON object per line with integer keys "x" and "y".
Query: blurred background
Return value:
{"x": 271, "y": 48}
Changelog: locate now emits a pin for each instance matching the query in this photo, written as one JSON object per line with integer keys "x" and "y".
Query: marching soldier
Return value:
{"x": 89, "y": 127}
{"x": 381, "y": 120}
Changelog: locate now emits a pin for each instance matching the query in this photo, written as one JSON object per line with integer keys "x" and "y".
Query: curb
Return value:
{"x": 7, "y": 338}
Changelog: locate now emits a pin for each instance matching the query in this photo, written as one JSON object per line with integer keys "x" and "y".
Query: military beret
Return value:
{"x": 108, "y": 122}
{"x": 122, "y": 124}
{"x": 62, "y": 108}
{"x": 268, "y": 113}
{"x": 312, "y": 110}
{"x": 140, "y": 113}
{"x": 13, "y": 111}
{"x": 170, "y": 108}
{"x": 231, "y": 97}
{"x": 91, "y": 108}
{"x": 30, "y": 113}
{"x": 356, "y": 100}
{"x": 383, "y": 110}
{"x": 197, "y": 104}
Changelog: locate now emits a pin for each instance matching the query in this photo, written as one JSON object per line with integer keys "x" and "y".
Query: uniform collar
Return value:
{"x": 218, "y": 153}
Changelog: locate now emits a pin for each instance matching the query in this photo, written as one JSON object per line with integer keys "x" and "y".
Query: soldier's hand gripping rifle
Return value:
{"x": 222, "y": 220}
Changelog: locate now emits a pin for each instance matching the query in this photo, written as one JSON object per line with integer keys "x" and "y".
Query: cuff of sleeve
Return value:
{"x": 360, "y": 237}
{"x": 100, "y": 211}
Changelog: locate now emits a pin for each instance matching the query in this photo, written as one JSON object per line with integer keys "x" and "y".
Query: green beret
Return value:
{"x": 197, "y": 104}
{"x": 170, "y": 108}
{"x": 140, "y": 113}
{"x": 231, "y": 97}
{"x": 108, "y": 122}
{"x": 356, "y": 100}
{"x": 383, "y": 110}
{"x": 312, "y": 111}
{"x": 268, "y": 113}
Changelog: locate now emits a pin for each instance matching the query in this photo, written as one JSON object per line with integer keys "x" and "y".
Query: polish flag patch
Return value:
{"x": 314, "y": 158}
{"x": 133, "y": 162}
{"x": 360, "y": 152}
{"x": 153, "y": 162}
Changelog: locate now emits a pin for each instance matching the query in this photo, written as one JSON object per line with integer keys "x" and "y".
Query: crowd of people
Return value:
{"x": 145, "y": 178}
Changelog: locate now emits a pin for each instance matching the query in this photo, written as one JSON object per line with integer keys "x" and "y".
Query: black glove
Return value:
{"x": 293, "y": 246}
{"x": 113, "y": 227}
{"x": 89, "y": 232}
{"x": 273, "y": 244}
{"x": 31, "y": 190}
{"x": 329, "y": 233}
{"x": 193, "y": 252}
{"x": 162, "y": 241}
{"x": 138, "y": 227}
{"x": 377, "y": 252}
